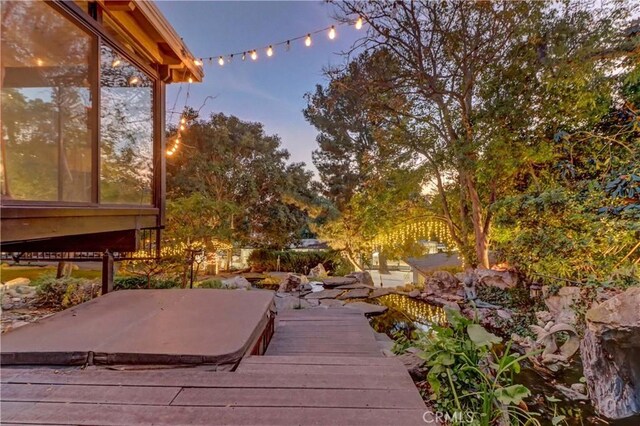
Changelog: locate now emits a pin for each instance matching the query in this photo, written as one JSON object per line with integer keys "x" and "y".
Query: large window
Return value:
{"x": 47, "y": 76}
{"x": 126, "y": 131}
{"x": 68, "y": 135}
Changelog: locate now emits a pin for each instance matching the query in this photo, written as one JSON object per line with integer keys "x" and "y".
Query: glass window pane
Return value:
{"x": 126, "y": 131}
{"x": 46, "y": 74}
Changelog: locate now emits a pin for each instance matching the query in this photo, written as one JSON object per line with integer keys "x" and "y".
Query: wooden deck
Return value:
{"x": 323, "y": 367}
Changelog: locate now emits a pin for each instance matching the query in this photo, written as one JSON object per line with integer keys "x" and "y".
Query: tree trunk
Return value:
{"x": 60, "y": 270}
{"x": 383, "y": 267}
{"x": 358, "y": 267}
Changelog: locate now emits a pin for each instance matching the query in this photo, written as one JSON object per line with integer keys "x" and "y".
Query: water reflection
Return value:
{"x": 405, "y": 315}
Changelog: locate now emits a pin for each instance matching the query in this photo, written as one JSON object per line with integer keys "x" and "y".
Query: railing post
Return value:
{"x": 107, "y": 272}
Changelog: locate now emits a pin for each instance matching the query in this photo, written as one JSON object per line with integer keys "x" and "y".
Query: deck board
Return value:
{"x": 323, "y": 366}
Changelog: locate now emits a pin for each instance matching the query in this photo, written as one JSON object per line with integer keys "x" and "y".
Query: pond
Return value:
{"x": 406, "y": 314}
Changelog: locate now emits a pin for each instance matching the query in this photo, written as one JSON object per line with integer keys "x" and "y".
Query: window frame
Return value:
{"x": 92, "y": 26}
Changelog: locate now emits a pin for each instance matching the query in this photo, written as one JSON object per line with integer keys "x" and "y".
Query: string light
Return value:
{"x": 190, "y": 80}
{"x": 40, "y": 62}
{"x": 254, "y": 55}
{"x": 221, "y": 61}
{"x": 332, "y": 32}
{"x": 116, "y": 62}
{"x": 307, "y": 40}
{"x": 134, "y": 80}
{"x": 359, "y": 23}
{"x": 197, "y": 62}
{"x": 270, "y": 51}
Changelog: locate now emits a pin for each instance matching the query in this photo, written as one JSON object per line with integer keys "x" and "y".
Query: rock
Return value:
{"x": 367, "y": 308}
{"x": 291, "y": 282}
{"x": 358, "y": 293}
{"x": 571, "y": 393}
{"x": 414, "y": 294}
{"x": 331, "y": 303}
{"x": 504, "y": 314}
{"x": 543, "y": 317}
{"x": 362, "y": 277}
{"x": 236, "y": 282}
{"x": 414, "y": 364}
{"x": 579, "y": 387}
{"x": 305, "y": 287}
{"x": 561, "y": 305}
{"x": 16, "y": 299}
{"x": 380, "y": 292}
{"x": 324, "y": 294}
{"x": 610, "y": 350}
{"x": 318, "y": 271}
{"x": 338, "y": 281}
{"x": 443, "y": 281}
{"x": 18, "y": 281}
{"x": 356, "y": 285}
{"x": 493, "y": 278}
{"x": 288, "y": 302}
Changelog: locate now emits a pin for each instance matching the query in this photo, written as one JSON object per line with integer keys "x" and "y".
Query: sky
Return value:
{"x": 268, "y": 90}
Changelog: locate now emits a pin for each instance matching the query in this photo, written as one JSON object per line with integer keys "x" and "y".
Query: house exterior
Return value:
{"x": 83, "y": 105}
{"x": 82, "y": 166}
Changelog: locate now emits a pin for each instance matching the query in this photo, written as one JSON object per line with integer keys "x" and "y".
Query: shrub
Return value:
{"x": 468, "y": 373}
{"x": 298, "y": 261}
{"x": 133, "y": 282}
{"x": 65, "y": 292}
{"x": 209, "y": 283}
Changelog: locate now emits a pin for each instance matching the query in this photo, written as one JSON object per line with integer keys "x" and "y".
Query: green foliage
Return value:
{"x": 210, "y": 283}
{"x": 468, "y": 371}
{"x": 64, "y": 292}
{"x": 296, "y": 261}
{"x": 132, "y": 282}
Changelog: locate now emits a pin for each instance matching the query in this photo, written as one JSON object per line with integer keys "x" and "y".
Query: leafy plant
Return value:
{"x": 64, "y": 292}
{"x": 210, "y": 283}
{"x": 470, "y": 372}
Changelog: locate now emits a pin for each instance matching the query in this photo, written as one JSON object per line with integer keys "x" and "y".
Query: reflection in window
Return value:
{"x": 46, "y": 105}
{"x": 126, "y": 131}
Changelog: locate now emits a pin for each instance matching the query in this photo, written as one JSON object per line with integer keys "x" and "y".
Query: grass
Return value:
{"x": 9, "y": 273}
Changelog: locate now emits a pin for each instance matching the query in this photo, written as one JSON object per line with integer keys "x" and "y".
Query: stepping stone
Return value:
{"x": 367, "y": 308}
{"x": 356, "y": 285}
{"x": 358, "y": 293}
{"x": 381, "y": 292}
{"x": 331, "y": 303}
{"x": 324, "y": 294}
{"x": 338, "y": 281}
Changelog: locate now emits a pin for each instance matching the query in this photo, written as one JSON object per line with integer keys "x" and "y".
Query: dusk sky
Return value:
{"x": 269, "y": 90}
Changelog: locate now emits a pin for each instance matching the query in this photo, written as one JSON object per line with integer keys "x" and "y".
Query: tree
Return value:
{"x": 247, "y": 191}
{"x": 483, "y": 87}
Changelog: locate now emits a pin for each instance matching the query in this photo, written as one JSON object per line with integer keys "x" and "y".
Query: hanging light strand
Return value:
{"x": 270, "y": 48}
{"x": 182, "y": 125}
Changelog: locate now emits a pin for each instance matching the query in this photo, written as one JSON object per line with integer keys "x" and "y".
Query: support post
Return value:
{"x": 107, "y": 272}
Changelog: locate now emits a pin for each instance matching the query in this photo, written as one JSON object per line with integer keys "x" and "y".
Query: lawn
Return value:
{"x": 8, "y": 273}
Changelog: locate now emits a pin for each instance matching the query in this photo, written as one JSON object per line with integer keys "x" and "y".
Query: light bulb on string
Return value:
{"x": 270, "y": 51}
{"x": 332, "y": 32}
{"x": 190, "y": 80}
{"x": 134, "y": 80}
{"x": 116, "y": 62}
{"x": 40, "y": 62}
{"x": 221, "y": 61}
{"x": 182, "y": 127}
{"x": 244, "y": 55}
{"x": 359, "y": 23}
{"x": 197, "y": 62}
{"x": 254, "y": 55}
{"x": 307, "y": 40}
{"x": 183, "y": 120}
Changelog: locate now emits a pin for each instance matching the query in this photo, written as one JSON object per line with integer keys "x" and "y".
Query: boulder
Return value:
{"x": 338, "y": 281}
{"x": 413, "y": 363}
{"x": 18, "y": 282}
{"x": 560, "y": 305}
{"x": 292, "y": 282}
{"x": 493, "y": 278}
{"x": 318, "y": 271}
{"x": 358, "y": 293}
{"x": 362, "y": 277}
{"x": 441, "y": 283}
{"x": 414, "y": 294}
{"x": 236, "y": 282}
{"x": 288, "y": 302}
{"x": 610, "y": 351}
{"x": 356, "y": 285}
